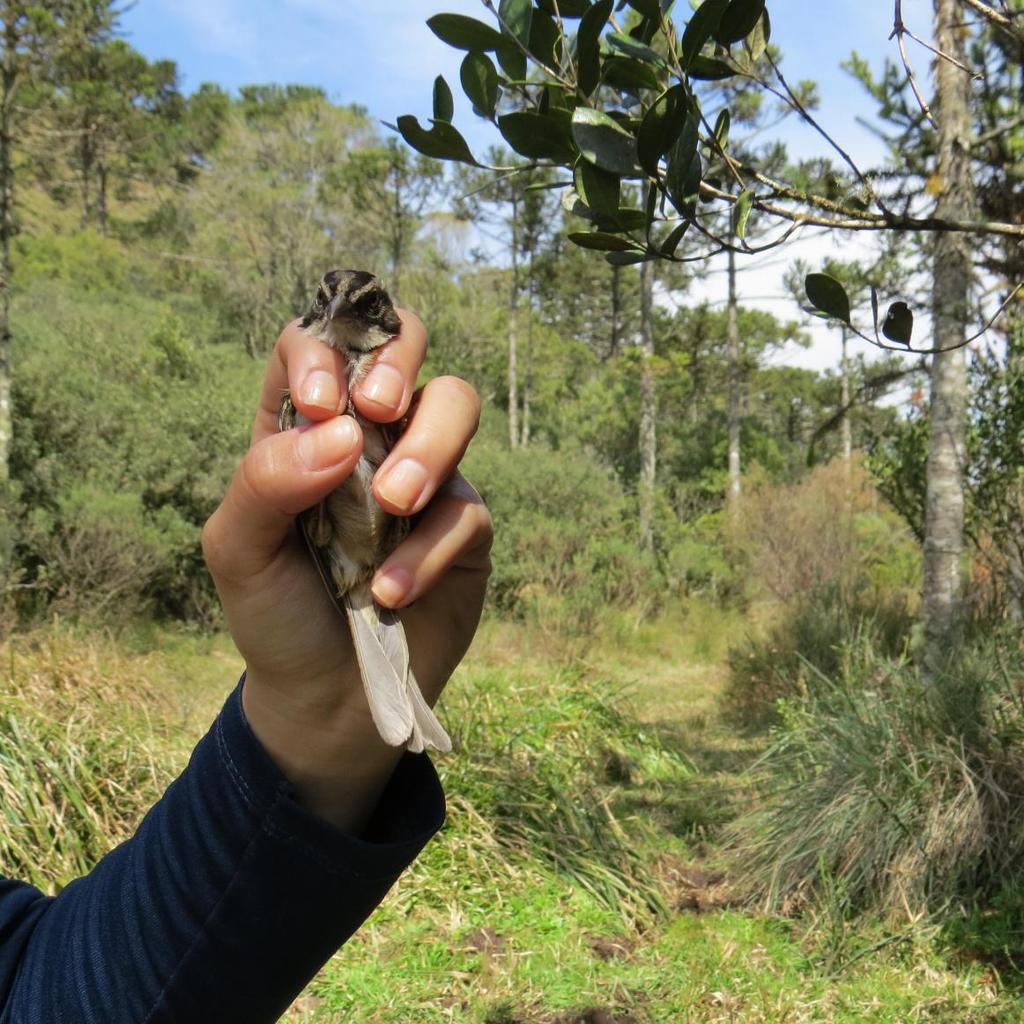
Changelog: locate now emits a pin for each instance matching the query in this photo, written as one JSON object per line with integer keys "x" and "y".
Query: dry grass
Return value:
{"x": 90, "y": 735}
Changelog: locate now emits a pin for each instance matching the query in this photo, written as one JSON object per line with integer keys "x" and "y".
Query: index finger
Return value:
{"x": 382, "y": 396}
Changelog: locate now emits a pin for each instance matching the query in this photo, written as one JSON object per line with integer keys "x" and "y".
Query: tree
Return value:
{"x": 266, "y": 223}
{"x": 952, "y": 274}
{"x": 389, "y": 191}
{"x": 572, "y": 114}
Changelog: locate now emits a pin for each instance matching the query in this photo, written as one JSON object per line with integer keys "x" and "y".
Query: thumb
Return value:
{"x": 280, "y": 476}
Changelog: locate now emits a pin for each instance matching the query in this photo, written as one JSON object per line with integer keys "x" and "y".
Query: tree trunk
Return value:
{"x": 616, "y": 325}
{"x": 735, "y": 380}
{"x": 528, "y": 384}
{"x": 944, "y": 512}
{"x": 846, "y": 430}
{"x": 101, "y": 199}
{"x": 397, "y": 237}
{"x": 85, "y": 184}
{"x": 8, "y": 85}
{"x": 648, "y": 410}
{"x": 513, "y": 334}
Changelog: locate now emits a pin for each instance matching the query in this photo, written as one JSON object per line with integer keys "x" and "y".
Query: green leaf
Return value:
{"x": 648, "y": 8}
{"x": 898, "y": 325}
{"x": 545, "y": 40}
{"x": 537, "y": 136}
{"x": 700, "y": 28}
{"x": 602, "y": 240}
{"x": 828, "y": 296}
{"x": 516, "y": 16}
{"x": 442, "y": 141}
{"x": 739, "y": 20}
{"x": 444, "y": 103}
{"x": 512, "y": 60}
{"x": 722, "y": 125}
{"x": 660, "y": 128}
{"x": 632, "y": 48}
{"x": 684, "y": 170}
{"x": 566, "y": 8}
{"x": 629, "y": 259}
{"x": 757, "y": 41}
{"x": 741, "y": 213}
{"x": 588, "y": 45}
{"x": 465, "y": 33}
{"x": 671, "y": 244}
{"x": 710, "y": 69}
{"x": 603, "y": 141}
{"x": 598, "y": 189}
{"x": 630, "y": 75}
{"x": 629, "y": 218}
{"x": 554, "y": 98}
{"x": 480, "y": 83}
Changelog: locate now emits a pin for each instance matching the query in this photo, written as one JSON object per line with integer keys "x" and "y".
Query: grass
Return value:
{"x": 580, "y": 870}
{"x": 896, "y": 791}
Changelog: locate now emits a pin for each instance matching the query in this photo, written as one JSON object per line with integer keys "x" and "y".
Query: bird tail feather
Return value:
{"x": 399, "y": 711}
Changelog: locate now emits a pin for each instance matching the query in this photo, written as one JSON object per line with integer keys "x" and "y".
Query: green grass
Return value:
{"x": 580, "y": 867}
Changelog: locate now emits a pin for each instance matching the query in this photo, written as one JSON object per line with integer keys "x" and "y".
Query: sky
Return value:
{"x": 382, "y": 56}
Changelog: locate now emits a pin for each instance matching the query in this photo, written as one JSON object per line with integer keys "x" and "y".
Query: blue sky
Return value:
{"x": 382, "y": 56}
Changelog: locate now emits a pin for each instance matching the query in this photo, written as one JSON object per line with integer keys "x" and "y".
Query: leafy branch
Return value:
{"x": 829, "y": 299}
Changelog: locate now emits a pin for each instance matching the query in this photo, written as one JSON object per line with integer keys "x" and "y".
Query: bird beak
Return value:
{"x": 333, "y": 305}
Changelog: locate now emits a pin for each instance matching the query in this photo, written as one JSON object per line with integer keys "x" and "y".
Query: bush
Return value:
{"x": 127, "y": 433}
{"x": 563, "y": 531}
{"x": 843, "y": 573}
{"x": 903, "y": 791}
{"x": 828, "y": 532}
{"x": 816, "y": 637}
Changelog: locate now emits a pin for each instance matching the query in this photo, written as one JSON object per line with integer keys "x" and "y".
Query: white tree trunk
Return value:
{"x": 944, "y": 512}
{"x": 513, "y": 334}
{"x": 648, "y": 409}
{"x": 846, "y": 433}
{"x": 735, "y": 380}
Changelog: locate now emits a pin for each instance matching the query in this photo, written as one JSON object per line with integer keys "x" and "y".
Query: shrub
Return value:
{"x": 826, "y": 532}
{"x": 127, "y": 435}
{"x": 563, "y": 530}
{"x": 903, "y": 791}
{"x": 815, "y": 637}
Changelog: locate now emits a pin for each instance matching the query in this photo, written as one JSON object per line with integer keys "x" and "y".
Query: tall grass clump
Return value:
{"x": 79, "y": 759}
{"x": 535, "y": 791}
{"x": 816, "y": 637}
{"x": 900, "y": 789}
{"x": 832, "y": 569}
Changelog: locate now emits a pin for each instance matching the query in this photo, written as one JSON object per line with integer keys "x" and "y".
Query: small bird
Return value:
{"x": 348, "y": 534}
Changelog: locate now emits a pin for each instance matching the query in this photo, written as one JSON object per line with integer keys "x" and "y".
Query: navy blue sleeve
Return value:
{"x": 221, "y": 907}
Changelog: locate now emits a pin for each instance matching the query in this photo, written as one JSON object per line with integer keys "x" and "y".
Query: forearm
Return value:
{"x": 224, "y": 904}
{"x": 327, "y": 746}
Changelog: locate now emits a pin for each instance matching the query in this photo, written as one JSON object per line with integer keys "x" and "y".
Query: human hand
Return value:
{"x": 303, "y": 695}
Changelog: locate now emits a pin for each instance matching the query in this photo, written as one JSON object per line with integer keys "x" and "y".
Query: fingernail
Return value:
{"x": 321, "y": 389}
{"x": 327, "y": 443}
{"x": 390, "y": 586}
{"x": 383, "y": 386}
{"x": 404, "y": 484}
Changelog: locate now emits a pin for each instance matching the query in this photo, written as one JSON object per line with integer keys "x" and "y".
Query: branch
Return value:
{"x": 873, "y": 222}
{"x": 794, "y": 100}
{"x": 899, "y": 31}
{"x": 1008, "y": 22}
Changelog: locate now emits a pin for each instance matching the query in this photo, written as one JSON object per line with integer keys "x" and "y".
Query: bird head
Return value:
{"x": 352, "y": 311}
